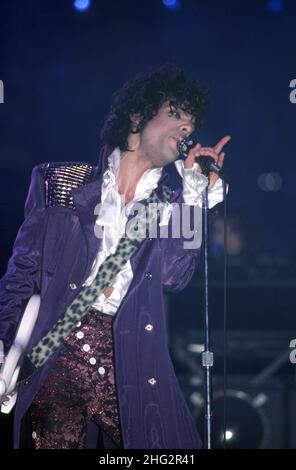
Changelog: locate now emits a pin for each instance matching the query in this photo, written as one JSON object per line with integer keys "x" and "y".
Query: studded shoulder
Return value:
{"x": 61, "y": 177}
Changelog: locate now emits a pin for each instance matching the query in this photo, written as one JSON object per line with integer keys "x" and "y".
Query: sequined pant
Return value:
{"x": 80, "y": 388}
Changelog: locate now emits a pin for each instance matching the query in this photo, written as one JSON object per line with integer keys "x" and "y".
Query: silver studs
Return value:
{"x": 34, "y": 435}
{"x": 93, "y": 361}
{"x": 72, "y": 285}
{"x": 79, "y": 335}
{"x": 101, "y": 370}
{"x": 86, "y": 347}
{"x": 148, "y": 275}
{"x": 78, "y": 324}
{"x": 149, "y": 327}
{"x": 152, "y": 381}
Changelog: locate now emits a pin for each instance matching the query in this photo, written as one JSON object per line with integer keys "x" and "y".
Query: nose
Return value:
{"x": 186, "y": 129}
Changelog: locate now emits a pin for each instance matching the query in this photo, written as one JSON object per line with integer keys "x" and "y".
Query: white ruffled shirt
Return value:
{"x": 112, "y": 218}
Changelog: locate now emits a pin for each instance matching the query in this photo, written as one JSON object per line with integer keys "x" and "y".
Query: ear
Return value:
{"x": 135, "y": 119}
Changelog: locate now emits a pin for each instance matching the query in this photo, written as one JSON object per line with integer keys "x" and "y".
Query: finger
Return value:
{"x": 195, "y": 151}
{"x": 220, "y": 161}
{"x": 209, "y": 152}
{"x": 190, "y": 159}
{"x": 195, "y": 148}
{"x": 219, "y": 146}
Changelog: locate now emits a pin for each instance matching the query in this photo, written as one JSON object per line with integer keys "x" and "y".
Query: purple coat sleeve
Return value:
{"x": 22, "y": 277}
{"x": 178, "y": 262}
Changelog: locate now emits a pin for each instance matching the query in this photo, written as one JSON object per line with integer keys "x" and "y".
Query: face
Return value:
{"x": 158, "y": 140}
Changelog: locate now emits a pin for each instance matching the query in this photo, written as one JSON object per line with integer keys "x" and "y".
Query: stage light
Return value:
{"x": 247, "y": 423}
{"x": 275, "y": 6}
{"x": 82, "y": 5}
{"x": 270, "y": 181}
{"x": 228, "y": 435}
{"x": 172, "y": 4}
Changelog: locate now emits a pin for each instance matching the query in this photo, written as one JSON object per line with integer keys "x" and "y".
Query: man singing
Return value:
{"x": 109, "y": 380}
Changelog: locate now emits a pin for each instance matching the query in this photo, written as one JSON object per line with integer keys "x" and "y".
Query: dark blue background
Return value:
{"x": 60, "y": 68}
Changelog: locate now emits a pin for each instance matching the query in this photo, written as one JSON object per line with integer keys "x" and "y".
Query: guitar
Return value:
{"x": 9, "y": 371}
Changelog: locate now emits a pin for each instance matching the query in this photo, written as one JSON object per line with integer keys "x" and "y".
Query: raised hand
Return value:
{"x": 214, "y": 152}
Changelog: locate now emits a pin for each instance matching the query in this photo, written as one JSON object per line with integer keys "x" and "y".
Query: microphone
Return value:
{"x": 207, "y": 164}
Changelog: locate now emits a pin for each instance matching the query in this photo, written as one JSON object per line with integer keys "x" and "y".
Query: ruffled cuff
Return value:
{"x": 194, "y": 184}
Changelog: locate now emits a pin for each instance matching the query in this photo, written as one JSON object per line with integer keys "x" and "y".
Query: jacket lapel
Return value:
{"x": 86, "y": 198}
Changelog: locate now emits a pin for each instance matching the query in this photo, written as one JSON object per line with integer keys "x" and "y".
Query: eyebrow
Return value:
{"x": 176, "y": 108}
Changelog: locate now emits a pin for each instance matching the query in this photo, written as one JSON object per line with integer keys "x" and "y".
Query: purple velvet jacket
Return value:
{"x": 56, "y": 246}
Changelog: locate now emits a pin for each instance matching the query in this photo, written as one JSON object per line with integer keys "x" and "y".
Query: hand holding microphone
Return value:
{"x": 210, "y": 159}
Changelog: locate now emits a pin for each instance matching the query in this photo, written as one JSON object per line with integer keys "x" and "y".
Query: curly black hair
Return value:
{"x": 144, "y": 96}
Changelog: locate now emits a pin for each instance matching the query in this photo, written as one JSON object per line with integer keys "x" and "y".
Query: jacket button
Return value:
{"x": 149, "y": 327}
{"x": 79, "y": 335}
{"x": 72, "y": 286}
{"x": 152, "y": 381}
{"x": 148, "y": 275}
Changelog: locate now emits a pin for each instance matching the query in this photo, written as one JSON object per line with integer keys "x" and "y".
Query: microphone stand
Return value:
{"x": 207, "y": 355}
{"x": 207, "y": 164}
